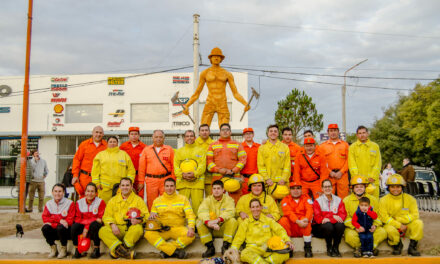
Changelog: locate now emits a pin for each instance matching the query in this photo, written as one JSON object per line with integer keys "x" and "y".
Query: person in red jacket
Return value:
{"x": 297, "y": 216}
{"x": 88, "y": 219}
{"x": 310, "y": 168}
{"x": 58, "y": 217}
{"x": 328, "y": 219}
{"x": 251, "y": 149}
{"x": 134, "y": 148}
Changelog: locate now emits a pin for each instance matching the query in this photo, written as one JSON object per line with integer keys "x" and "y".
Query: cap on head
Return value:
{"x": 248, "y": 129}
{"x": 133, "y": 129}
{"x": 333, "y": 126}
{"x": 216, "y": 52}
{"x": 309, "y": 141}
{"x": 295, "y": 183}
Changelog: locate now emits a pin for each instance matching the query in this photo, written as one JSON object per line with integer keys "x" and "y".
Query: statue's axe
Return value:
{"x": 174, "y": 100}
{"x": 254, "y": 94}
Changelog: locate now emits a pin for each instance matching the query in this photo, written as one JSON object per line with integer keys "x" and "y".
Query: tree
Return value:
{"x": 298, "y": 112}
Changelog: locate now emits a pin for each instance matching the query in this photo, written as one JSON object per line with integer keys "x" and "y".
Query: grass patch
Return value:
{"x": 14, "y": 201}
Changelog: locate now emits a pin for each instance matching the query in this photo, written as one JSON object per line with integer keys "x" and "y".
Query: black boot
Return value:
{"x": 412, "y": 249}
{"x": 335, "y": 251}
{"x": 375, "y": 252}
{"x": 329, "y": 250}
{"x": 308, "y": 250}
{"x": 180, "y": 253}
{"x": 397, "y": 249}
{"x": 357, "y": 253}
{"x": 210, "y": 250}
{"x": 225, "y": 246}
{"x": 96, "y": 253}
{"x": 77, "y": 254}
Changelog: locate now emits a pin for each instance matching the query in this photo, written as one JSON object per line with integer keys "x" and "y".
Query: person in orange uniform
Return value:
{"x": 293, "y": 148}
{"x": 134, "y": 148}
{"x": 310, "y": 168}
{"x": 83, "y": 160}
{"x": 335, "y": 151}
{"x": 203, "y": 141}
{"x": 297, "y": 216}
{"x": 309, "y": 134}
{"x": 156, "y": 165}
{"x": 251, "y": 149}
{"x": 226, "y": 157}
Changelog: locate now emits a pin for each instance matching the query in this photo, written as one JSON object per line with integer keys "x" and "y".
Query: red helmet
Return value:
{"x": 83, "y": 244}
{"x": 133, "y": 213}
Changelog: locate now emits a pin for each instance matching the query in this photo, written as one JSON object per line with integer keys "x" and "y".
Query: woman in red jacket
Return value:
{"x": 88, "y": 219}
{"x": 58, "y": 217}
{"x": 328, "y": 220}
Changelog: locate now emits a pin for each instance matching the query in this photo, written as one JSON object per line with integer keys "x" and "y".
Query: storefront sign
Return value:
{"x": 183, "y": 123}
{"x": 118, "y": 113}
{"x": 180, "y": 79}
{"x": 5, "y": 110}
{"x": 116, "y": 80}
{"x": 58, "y": 87}
{"x": 58, "y": 108}
{"x": 115, "y": 124}
{"x": 58, "y": 100}
{"x": 181, "y": 101}
{"x": 59, "y": 79}
{"x": 116, "y": 92}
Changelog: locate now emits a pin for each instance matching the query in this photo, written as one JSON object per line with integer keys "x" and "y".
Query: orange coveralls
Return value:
{"x": 296, "y": 210}
{"x": 229, "y": 154}
{"x": 337, "y": 159}
{"x": 83, "y": 162}
{"x": 305, "y": 175}
{"x": 251, "y": 164}
{"x": 294, "y": 149}
{"x": 153, "y": 173}
{"x": 135, "y": 155}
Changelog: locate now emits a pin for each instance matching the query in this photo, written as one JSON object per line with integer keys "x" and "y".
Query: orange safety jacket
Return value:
{"x": 303, "y": 172}
{"x": 83, "y": 159}
{"x": 336, "y": 155}
{"x": 251, "y": 166}
{"x": 135, "y": 155}
{"x": 297, "y": 210}
{"x": 150, "y": 165}
{"x": 225, "y": 153}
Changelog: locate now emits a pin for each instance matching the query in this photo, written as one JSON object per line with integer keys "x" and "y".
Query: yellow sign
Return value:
{"x": 116, "y": 80}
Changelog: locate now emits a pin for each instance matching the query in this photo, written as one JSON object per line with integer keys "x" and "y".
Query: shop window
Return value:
{"x": 150, "y": 113}
{"x": 84, "y": 113}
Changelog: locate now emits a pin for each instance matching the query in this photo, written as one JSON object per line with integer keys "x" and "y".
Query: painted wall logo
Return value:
{"x": 116, "y": 80}
{"x": 183, "y": 123}
{"x": 58, "y": 108}
{"x": 115, "y": 124}
{"x": 59, "y": 79}
{"x": 58, "y": 87}
{"x": 55, "y": 94}
{"x": 180, "y": 79}
{"x": 58, "y": 100}
{"x": 116, "y": 92}
{"x": 118, "y": 113}
{"x": 176, "y": 114}
{"x": 181, "y": 101}
{"x": 5, "y": 110}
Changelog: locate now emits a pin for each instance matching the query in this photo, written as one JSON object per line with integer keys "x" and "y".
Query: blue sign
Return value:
{"x": 5, "y": 109}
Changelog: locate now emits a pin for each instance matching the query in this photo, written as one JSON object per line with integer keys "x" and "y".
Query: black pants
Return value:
{"x": 94, "y": 227}
{"x": 59, "y": 233}
{"x": 331, "y": 232}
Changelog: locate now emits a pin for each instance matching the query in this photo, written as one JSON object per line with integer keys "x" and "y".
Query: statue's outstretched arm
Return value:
{"x": 235, "y": 92}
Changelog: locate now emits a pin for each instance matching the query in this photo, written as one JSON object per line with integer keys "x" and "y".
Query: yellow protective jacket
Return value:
{"x": 190, "y": 152}
{"x": 204, "y": 144}
{"x": 274, "y": 161}
{"x": 364, "y": 159}
{"x": 173, "y": 209}
{"x": 110, "y": 166}
{"x": 225, "y": 208}
{"x": 116, "y": 209}
{"x": 257, "y": 232}
{"x": 269, "y": 205}
{"x": 351, "y": 203}
{"x": 397, "y": 210}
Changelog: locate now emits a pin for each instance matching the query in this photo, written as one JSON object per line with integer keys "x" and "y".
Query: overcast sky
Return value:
{"x": 399, "y": 39}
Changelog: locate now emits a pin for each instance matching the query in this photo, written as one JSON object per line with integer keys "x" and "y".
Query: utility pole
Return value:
{"x": 196, "y": 71}
{"x": 344, "y": 90}
{"x": 24, "y": 124}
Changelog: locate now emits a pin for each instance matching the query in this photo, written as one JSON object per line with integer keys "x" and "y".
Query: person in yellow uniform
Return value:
{"x": 256, "y": 231}
{"x": 351, "y": 202}
{"x": 364, "y": 159}
{"x": 203, "y": 141}
{"x": 400, "y": 215}
{"x": 216, "y": 217}
{"x": 189, "y": 168}
{"x": 172, "y": 210}
{"x": 121, "y": 232}
{"x": 274, "y": 160}
{"x": 257, "y": 190}
{"x": 109, "y": 167}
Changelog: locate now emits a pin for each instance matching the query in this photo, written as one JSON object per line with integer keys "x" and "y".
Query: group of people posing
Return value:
{"x": 253, "y": 196}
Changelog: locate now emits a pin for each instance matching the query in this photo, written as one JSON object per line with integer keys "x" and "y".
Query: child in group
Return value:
{"x": 363, "y": 220}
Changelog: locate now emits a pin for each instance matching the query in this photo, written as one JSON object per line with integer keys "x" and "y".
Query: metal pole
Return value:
{"x": 24, "y": 125}
{"x": 196, "y": 71}
{"x": 344, "y": 89}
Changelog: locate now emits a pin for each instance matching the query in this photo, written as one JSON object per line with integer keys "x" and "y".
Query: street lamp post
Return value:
{"x": 344, "y": 90}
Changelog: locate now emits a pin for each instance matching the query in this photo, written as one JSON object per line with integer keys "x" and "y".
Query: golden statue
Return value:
{"x": 216, "y": 78}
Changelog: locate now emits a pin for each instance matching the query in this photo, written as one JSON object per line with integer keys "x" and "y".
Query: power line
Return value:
{"x": 321, "y": 29}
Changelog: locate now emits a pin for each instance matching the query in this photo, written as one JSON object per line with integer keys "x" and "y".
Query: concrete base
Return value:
{"x": 34, "y": 243}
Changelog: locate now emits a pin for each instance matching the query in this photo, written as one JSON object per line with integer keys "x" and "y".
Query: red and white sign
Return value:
{"x": 58, "y": 100}
{"x": 115, "y": 124}
{"x": 60, "y": 79}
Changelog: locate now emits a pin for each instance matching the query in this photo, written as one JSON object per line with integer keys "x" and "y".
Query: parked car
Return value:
{"x": 425, "y": 175}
